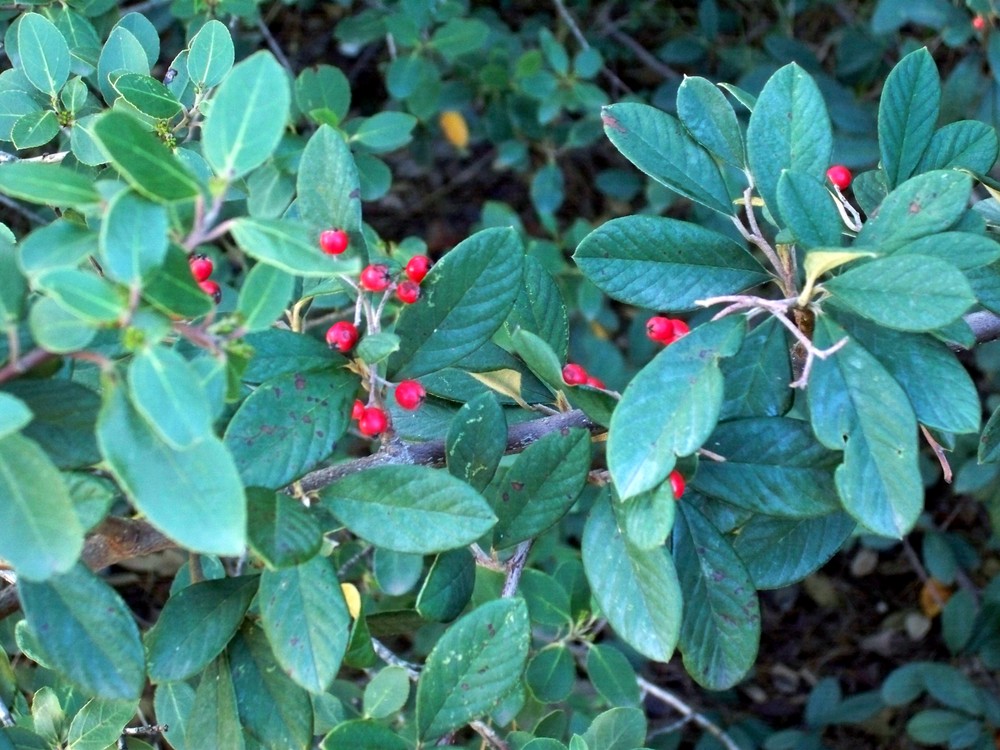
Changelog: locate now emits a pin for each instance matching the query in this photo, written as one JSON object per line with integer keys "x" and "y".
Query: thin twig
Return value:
{"x": 484, "y": 560}
{"x": 18, "y": 367}
{"x": 27, "y": 213}
{"x": 383, "y": 653}
{"x": 272, "y": 44}
{"x": 685, "y": 710}
{"x": 515, "y": 566}
{"x": 939, "y": 452}
{"x": 489, "y": 735}
{"x": 145, "y": 730}
{"x": 567, "y": 17}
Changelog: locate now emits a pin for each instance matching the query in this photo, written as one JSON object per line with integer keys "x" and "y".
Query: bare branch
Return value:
{"x": 687, "y": 712}
{"x": 489, "y": 735}
{"x": 515, "y": 566}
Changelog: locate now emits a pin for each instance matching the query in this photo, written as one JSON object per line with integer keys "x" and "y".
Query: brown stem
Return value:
{"x": 18, "y": 367}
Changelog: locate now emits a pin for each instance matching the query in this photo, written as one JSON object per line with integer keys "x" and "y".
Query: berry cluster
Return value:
{"x": 575, "y": 375}
{"x": 371, "y": 420}
{"x": 201, "y": 268}
{"x": 666, "y": 330}
{"x": 377, "y": 278}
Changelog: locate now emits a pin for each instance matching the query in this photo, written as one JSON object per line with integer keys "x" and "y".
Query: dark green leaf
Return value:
{"x": 967, "y": 144}
{"x": 361, "y": 734}
{"x": 289, "y": 424}
{"x": 637, "y": 590}
{"x": 167, "y": 392}
{"x": 772, "y": 465}
{"x": 539, "y": 308}
{"x": 806, "y": 207}
{"x": 306, "y": 621}
{"x": 459, "y": 36}
{"x": 665, "y": 264}
{"x": 710, "y": 118}
{"x": 551, "y": 673}
{"x": 477, "y": 663}
{"x": 476, "y": 441}
{"x": 720, "y": 631}
{"x": 214, "y": 720}
{"x": 47, "y": 184}
{"x": 964, "y": 250}
{"x": 86, "y": 632}
{"x": 658, "y": 145}
{"x": 323, "y": 93}
{"x": 147, "y": 95}
{"x": 34, "y": 501}
{"x": 279, "y": 529}
{"x": 612, "y": 675}
{"x": 328, "y": 187}
{"x": 466, "y": 297}
{"x": 539, "y": 357}
{"x": 61, "y": 243}
{"x": 172, "y": 289}
{"x": 173, "y": 706}
{"x": 281, "y": 352}
{"x": 673, "y": 403}
{"x": 448, "y": 586}
{"x": 195, "y": 626}
{"x": 789, "y": 129}
{"x": 757, "y": 376}
{"x": 410, "y": 508}
{"x": 907, "y": 114}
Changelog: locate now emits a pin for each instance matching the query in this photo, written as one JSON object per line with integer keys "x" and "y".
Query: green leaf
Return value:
{"x": 195, "y": 626}
{"x": 323, "y": 93}
{"x": 288, "y": 246}
{"x": 385, "y": 131}
{"x": 539, "y": 308}
{"x": 84, "y": 294}
{"x": 772, "y": 465}
{"x": 59, "y": 244}
{"x": 14, "y": 414}
{"x": 475, "y": 665}
{"x": 34, "y": 501}
{"x": 935, "y": 726}
{"x": 210, "y": 54}
{"x": 133, "y": 237}
{"x": 280, "y": 530}
{"x": 265, "y": 293}
{"x": 905, "y": 292}
{"x": 907, "y": 114}
{"x": 44, "y": 53}
{"x": 674, "y": 403}
{"x": 376, "y": 347}
{"x": 35, "y": 129}
{"x": 466, "y": 297}
{"x": 637, "y": 590}
{"x": 657, "y": 144}
{"x": 857, "y": 407}
{"x": 306, "y": 621}
{"x": 757, "y": 376}
{"x": 142, "y": 159}
{"x": 448, "y": 586}
{"x": 720, "y": 631}
{"x": 789, "y": 129}
{"x": 122, "y": 53}
{"x": 86, "y": 633}
{"x": 247, "y": 117}
{"x": 214, "y": 720}
{"x": 540, "y": 358}
{"x": 665, "y": 264}
{"x": 173, "y": 706}
{"x": 361, "y": 734}
{"x": 386, "y": 693}
{"x": 99, "y": 724}
{"x": 964, "y": 250}
{"x": 409, "y": 508}
{"x": 612, "y": 675}
{"x": 939, "y": 387}
{"x": 289, "y": 424}
{"x": 166, "y": 390}
{"x": 281, "y": 352}
{"x": 171, "y": 288}
{"x": 778, "y": 552}
{"x": 550, "y": 674}
{"x": 646, "y": 519}
{"x": 622, "y": 728}
{"x": 476, "y": 441}
{"x": 194, "y": 496}
{"x": 328, "y": 187}
{"x": 147, "y": 95}
{"x": 57, "y": 330}
{"x": 274, "y": 711}
{"x": 540, "y": 486}
{"x": 808, "y": 209}
{"x": 968, "y": 144}
{"x": 47, "y": 184}
{"x": 710, "y": 118}
{"x": 924, "y": 205}
{"x": 14, "y": 105}
{"x": 459, "y": 36}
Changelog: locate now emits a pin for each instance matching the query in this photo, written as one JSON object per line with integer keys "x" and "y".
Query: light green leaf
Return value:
{"x": 122, "y": 53}
{"x": 808, "y": 209}
{"x": 99, "y": 724}
{"x": 385, "y": 131}
{"x": 57, "y": 330}
{"x": 907, "y": 114}
{"x": 328, "y": 188}
{"x": 362, "y": 734}
{"x": 85, "y": 294}
{"x": 214, "y": 720}
{"x": 147, "y": 95}
{"x": 289, "y": 246}
{"x": 47, "y": 184}
{"x": 14, "y": 414}
{"x": 34, "y": 129}
{"x": 710, "y": 118}
{"x": 674, "y": 403}
{"x": 265, "y": 293}
{"x": 133, "y": 237}
{"x": 44, "y": 53}
{"x": 622, "y": 728}
{"x": 173, "y": 706}
{"x": 448, "y": 586}
{"x": 386, "y": 693}
{"x": 281, "y": 530}
{"x": 247, "y": 117}
{"x": 167, "y": 392}
{"x": 475, "y": 665}
{"x": 612, "y": 675}
{"x": 409, "y": 508}
{"x": 210, "y": 54}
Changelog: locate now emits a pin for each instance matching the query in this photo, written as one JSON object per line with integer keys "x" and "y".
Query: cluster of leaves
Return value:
{"x": 487, "y": 584}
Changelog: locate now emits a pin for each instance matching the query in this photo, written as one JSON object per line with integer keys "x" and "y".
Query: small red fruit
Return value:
{"x": 201, "y": 266}
{"x": 574, "y": 374}
{"x": 661, "y": 329}
{"x": 680, "y": 328}
{"x": 212, "y": 289}
{"x": 410, "y": 394}
{"x": 342, "y": 336}
{"x": 978, "y": 23}
{"x": 595, "y": 382}
{"x": 333, "y": 241}
{"x": 839, "y": 175}
{"x": 375, "y": 278}
{"x": 373, "y": 422}
{"x": 358, "y": 410}
{"x": 408, "y": 292}
{"x": 417, "y": 267}
{"x": 677, "y": 484}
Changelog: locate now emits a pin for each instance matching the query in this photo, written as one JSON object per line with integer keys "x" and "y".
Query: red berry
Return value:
{"x": 358, "y": 410}
{"x": 333, "y": 241}
{"x": 979, "y": 23}
{"x": 375, "y": 278}
{"x": 373, "y": 422}
{"x": 201, "y": 266}
{"x": 574, "y": 374}
{"x": 408, "y": 292}
{"x": 212, "y": 289}
{"x": 677, "y": 484}
{"x": 660, "y": 329}
{"x": 839, "y": 175}
{"x": 680, "y": 328}
{"x": 410, "y": 394}
{"x": 595, "y": 382}
{"x": 417, "y": 267}
{"x": 342, "y": 336}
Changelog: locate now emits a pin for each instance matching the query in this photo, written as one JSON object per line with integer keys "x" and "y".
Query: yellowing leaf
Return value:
{"x": 353, "y": 599}
{"x": 505, "y": 382}
{"x": 818, "y": 262}
{"x": 456, "y": 130}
